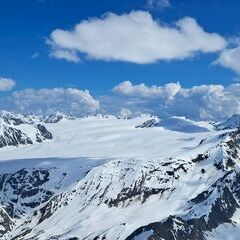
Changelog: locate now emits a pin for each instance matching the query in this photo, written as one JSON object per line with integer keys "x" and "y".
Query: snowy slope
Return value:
{"x": 103, "y": 178}
{"x": 108, "y": 138}
{"x": 180, "y": 124}
{"x": 232, "y": 122}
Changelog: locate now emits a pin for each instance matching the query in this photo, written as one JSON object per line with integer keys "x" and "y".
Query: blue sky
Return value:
{"x": 26, "y": 24}
{"x": 29, "y": 48}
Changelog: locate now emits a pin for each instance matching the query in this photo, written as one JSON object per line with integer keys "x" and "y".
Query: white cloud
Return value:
{"x": 70, "y": 56}
{"x": 6, "y": 84}
{"x": 206, "y": 102}
{"x": 199, "y": 102}
{"x": 135, "y": 37}
{"x": 46, "y": 101}
{"x": 230, "y": 58}
{"x": 127, "y": 88}
{"x": 158, "y": 3}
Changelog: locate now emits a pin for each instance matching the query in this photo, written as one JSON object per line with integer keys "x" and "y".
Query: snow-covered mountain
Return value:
{"x": 180, "y": 124}
{"x": 56, "y": 117}
{"x": 232, "y": 122}
{"x": 103, "y": 178}
{"x": 16, "y": 130}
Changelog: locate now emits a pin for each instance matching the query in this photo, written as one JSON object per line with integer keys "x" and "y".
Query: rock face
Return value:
{"x": 5, "y": 222}
{"x": 13, "y": 137}
{"x": 149, "y": 123}
{"x": 24, "y": 190}
{"x": 16, "y": 129}
{"x": 204, "y": 188}
{"x": 57, "y": 117}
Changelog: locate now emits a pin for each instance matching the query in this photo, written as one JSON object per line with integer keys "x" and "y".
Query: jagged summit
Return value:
{"x": 16, "y": 129}
{"x": 58, "y": 116}
{"x": 12, "y": 118}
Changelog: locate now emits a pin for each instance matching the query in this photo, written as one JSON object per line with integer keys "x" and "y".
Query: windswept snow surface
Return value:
{"x": 107, "y": 138}
{"x": 108, "y": 178}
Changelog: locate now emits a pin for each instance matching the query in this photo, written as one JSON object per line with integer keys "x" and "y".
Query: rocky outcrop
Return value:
{"x": 18, "y": 130}
{"x": 149, "y": 123}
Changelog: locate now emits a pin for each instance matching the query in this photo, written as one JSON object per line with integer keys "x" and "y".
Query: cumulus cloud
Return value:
{"x": 230, "y": 58}
{"x": 6, "y": 84}
{"x": 127, "y": 88}
{"x": 47, "y": 101}
{"x": 134, "y": 37}
{"x": 206, "y": 102}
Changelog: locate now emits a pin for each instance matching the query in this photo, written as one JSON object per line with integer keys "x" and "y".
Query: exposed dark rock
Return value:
{"x": 52, "y": 205}
{"x": 13, "y": 137}
{"x": 200, "y": 158}
{"x": 173, "y": 228}
{"x": 5, "y": 222}
{"x": 12, "y": 133}
{"x": 222, "y": 209}
{"x": 148, "y": 124}
{"x": 21, "y": 186}
{"x": 44, "y": 132}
